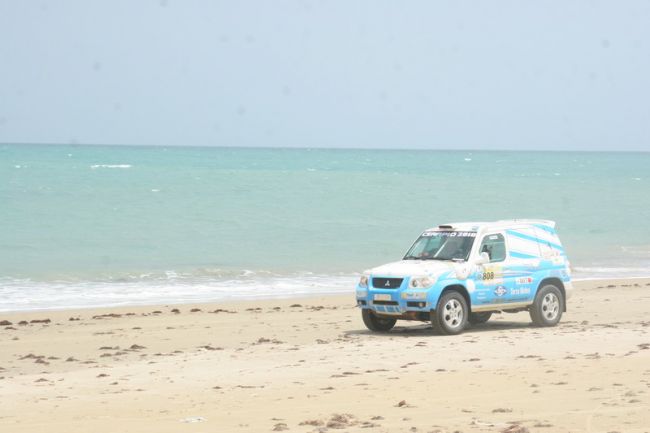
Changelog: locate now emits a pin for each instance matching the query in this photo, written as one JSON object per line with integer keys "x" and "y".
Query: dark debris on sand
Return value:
{"x": 107, "y": 316}
{"x": 221, "y": 310}
{"x": 515, "y": 428}
{"x": 341, "y": 421}
{"x": 208, "y": 347}
{"x": 263, "y": 340}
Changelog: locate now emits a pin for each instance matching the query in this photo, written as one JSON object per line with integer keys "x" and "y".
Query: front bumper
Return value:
{"x": 398, "y": 301}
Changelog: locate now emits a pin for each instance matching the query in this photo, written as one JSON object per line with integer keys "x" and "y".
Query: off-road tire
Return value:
{"x": 451, "y": 314}
{"x": 548, "y": 306}
{"x": 478, "y": 318}
{"x": 376, "y": 323}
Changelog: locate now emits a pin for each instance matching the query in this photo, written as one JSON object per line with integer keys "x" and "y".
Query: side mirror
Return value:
{"x": 482, "y": 259}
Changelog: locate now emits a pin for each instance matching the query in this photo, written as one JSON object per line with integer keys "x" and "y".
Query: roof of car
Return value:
{"x": 501, "y": 224}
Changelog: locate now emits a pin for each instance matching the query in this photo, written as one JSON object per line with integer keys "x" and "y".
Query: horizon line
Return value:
{"x": 319, "y": 147}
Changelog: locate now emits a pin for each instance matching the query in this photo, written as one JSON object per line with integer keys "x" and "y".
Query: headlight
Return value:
{"x": 363, "y": 281}
{"x": 421, "y": 282}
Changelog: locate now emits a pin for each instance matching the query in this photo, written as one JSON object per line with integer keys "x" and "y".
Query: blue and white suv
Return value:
{"x": 463, "y": 272}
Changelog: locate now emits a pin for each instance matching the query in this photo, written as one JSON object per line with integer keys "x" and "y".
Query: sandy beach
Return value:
{"x": 309, "y": 365}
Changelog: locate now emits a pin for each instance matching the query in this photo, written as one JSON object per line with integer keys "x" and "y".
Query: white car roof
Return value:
{"x": 494, "y": 225}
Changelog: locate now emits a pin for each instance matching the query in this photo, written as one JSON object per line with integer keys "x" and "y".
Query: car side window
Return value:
{"x": 495, "y": 246}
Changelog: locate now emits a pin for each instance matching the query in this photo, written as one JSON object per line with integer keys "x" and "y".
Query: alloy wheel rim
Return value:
{"x": 453, "y": 313}
{"x": 550, "y": 306}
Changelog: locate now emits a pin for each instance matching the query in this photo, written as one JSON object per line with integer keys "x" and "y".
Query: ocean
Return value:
{"x": 118, "y": 225}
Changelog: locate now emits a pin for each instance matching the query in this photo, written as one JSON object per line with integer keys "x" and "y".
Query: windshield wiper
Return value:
{"x": 442, "y": 259}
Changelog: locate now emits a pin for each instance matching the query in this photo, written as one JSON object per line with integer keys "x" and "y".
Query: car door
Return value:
{"x": 494, "y": 282}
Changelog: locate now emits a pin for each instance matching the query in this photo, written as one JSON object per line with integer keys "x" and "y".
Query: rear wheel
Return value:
{"x": 478, "y": 318}
{"x": 450, "y": 315}
{"x": 377, "y": 323}
{"x": 548, "y": 306}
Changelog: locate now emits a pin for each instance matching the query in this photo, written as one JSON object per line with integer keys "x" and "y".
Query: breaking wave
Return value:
{"x": 603, "y": 272}
{"x": 168, "y": 287}
{"x": 203, "y": 285}
{"x": 110, "y": 166}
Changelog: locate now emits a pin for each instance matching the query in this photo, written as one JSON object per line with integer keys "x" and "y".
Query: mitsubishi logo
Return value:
{"x": 387, "y": 283}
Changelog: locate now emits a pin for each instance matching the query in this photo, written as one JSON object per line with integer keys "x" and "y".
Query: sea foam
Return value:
{"x": 110, "y": 166}
{"x": 27, "y": 295}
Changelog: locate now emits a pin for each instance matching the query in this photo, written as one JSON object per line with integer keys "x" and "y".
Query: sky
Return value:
{"x": 557, "y": 75}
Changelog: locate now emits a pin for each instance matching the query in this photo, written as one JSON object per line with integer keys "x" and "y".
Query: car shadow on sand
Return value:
{"x": 424, "y": 329}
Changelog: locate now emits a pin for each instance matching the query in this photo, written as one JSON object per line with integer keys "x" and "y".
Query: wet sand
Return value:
{"x": 309, "y": 365}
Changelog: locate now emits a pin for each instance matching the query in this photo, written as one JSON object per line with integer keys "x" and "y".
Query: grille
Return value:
{"x": 385, "y": 302}
{"x": 386, "y": 283}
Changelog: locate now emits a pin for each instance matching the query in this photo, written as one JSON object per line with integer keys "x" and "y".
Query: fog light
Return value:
{"x": 416, "y": 304}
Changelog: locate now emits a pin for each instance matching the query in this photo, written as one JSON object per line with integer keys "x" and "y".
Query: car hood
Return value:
{"x": 406, "y": 268}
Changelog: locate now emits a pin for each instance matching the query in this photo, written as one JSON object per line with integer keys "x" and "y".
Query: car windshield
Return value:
{"x": 442, "y": 245}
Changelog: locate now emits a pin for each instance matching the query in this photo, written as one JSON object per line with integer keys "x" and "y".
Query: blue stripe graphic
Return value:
{"x": 518, "y": 255}
{"x": 534, "y": 239}
{"x": 548, "y": 229}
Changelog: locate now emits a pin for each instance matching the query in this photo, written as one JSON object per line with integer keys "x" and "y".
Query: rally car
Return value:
{"x": 461, "y": 273}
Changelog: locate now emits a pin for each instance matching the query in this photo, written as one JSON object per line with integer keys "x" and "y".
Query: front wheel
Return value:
{"x": 548, "y": 306}
{"x": 377, "y": 323}
{"x": 450, "y": 315}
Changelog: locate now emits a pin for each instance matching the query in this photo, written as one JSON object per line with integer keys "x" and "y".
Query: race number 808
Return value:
{"x": 487, "y": 276}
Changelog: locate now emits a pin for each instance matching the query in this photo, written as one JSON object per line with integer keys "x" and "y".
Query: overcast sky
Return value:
{"x": 415, "y": 74}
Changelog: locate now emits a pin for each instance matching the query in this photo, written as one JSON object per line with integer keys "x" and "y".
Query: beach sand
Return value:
{"x": 308, "y": 365}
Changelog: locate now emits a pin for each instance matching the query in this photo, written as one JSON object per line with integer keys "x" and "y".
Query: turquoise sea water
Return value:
{"x": 110, "y": 225}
